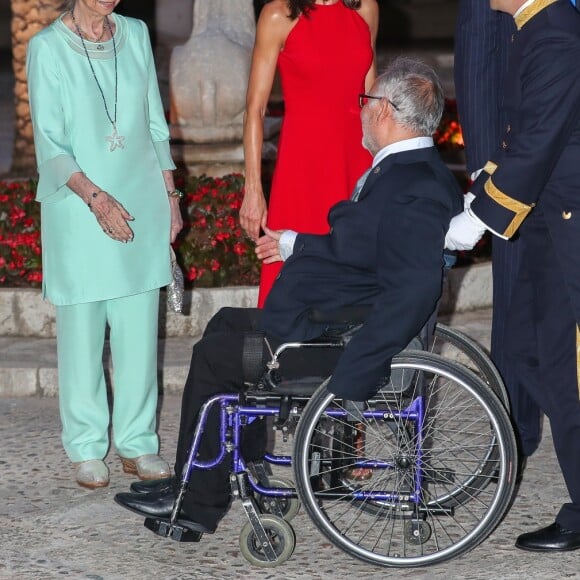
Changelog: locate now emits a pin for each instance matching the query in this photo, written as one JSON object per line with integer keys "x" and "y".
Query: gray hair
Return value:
{"x": 415, "y": 90}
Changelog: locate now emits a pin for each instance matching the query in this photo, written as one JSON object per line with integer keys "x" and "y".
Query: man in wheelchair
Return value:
{"x": 384, "y": 249}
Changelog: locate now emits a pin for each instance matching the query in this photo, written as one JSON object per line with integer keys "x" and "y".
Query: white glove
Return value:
{"x": 464, "y": 230}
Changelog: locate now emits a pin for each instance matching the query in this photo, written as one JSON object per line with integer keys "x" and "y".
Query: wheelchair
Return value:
{"x": 436, "y": 442}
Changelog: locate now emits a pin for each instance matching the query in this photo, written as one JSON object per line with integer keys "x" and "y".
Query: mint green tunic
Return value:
{"x": 80, "y": 262}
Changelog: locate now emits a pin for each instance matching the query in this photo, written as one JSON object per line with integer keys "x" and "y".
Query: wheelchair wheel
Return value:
{"x": 442, "y": 453}
{"x": 288, "y": 506}
{"x": 455, "y": 345}
{"x": 281, "y": 536}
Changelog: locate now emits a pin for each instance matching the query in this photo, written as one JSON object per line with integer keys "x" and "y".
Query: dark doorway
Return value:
{"x": 142, "y": 9}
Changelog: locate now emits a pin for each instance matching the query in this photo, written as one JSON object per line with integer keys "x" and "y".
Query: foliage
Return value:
{"x": 20, "y": 254}
{"x": 213, "y": 249}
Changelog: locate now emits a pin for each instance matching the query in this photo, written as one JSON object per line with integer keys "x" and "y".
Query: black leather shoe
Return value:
{"x": 157, "y": 506}
{"x": 554, "y": 538}
{"x": 154, "y": 485}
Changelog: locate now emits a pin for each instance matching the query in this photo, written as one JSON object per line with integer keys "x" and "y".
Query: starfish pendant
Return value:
{"x": 115, "y": 140}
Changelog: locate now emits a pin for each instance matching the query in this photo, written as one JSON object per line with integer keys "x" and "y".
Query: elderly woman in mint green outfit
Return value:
{"x": 109, "y": 212}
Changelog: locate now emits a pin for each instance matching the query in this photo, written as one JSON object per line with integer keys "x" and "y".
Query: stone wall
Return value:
{"x": 23, "y": 313}
{"x": 28, "y": 17}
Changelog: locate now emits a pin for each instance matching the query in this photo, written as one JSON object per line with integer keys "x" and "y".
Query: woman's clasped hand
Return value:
{"x": 112, "y": 217}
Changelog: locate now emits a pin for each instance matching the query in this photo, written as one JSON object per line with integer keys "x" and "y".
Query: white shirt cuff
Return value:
{"x": 476, "y": 174}
{"x": 286, "y": 243}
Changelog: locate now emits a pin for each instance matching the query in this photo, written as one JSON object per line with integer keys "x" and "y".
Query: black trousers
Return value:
{"x": 217, "y": 367}
{"x": 506, "y": 257}
{"x": 542, "y": 337}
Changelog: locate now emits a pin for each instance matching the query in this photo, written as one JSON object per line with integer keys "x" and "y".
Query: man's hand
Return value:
{"x": 267, "y": 246}
{"x": 464, "y": 232}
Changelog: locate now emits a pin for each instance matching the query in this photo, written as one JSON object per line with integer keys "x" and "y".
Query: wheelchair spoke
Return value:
{"x": 436, "y": 448}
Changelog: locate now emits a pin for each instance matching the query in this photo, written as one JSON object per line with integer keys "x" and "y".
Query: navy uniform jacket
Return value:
{"x": 386, "y": 249}
{"x": 540, "y": 149}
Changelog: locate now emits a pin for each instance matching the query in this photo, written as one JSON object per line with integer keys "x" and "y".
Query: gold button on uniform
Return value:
{"x": 566, "y": 215}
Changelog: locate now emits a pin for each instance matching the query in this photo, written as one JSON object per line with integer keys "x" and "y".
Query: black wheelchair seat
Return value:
{"x": 302, "y": 387}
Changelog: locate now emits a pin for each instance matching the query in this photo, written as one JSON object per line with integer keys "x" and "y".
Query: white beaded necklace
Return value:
{"x": 115, "y": 140}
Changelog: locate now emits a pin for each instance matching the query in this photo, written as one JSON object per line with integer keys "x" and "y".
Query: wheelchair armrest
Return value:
{"x": 355, "y": 314}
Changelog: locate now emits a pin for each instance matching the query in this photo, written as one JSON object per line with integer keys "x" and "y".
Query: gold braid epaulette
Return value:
{"x": 527, "y": 14}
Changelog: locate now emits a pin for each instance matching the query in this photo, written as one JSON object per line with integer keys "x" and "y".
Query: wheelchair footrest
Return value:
{"x": 177, "y": 532}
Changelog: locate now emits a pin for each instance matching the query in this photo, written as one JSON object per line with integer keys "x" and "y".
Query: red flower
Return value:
{"x": 240, "y": 249}
{"x": 34, "y": 277}
{"x": 222, "y": 236}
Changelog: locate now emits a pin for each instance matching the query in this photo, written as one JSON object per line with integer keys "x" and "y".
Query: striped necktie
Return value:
{"x": 359, "y": 185}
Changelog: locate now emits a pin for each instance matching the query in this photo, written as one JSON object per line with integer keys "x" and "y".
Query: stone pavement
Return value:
{"x": 51, "y": 528}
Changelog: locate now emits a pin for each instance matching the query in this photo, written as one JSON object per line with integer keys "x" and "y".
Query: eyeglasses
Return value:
{"x": 364, "y": 99}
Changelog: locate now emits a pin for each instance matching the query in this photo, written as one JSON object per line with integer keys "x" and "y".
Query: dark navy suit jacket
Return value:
{"x": 386, "y": 249}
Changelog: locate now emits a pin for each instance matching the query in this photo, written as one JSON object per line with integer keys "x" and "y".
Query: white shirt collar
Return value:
{"x": 405, "y": 145}
{"x": 523, "y": 7}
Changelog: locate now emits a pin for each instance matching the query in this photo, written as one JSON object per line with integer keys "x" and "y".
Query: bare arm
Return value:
{"x": 369, "y": 11}
{"x": 272, "y": 30}
{"x": 176, "y": 219}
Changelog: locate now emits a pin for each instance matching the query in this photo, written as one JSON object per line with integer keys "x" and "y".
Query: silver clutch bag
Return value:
{"x": 175, "y": 288}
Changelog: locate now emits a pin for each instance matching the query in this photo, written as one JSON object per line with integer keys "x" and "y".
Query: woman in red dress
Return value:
{"x": 324, "y": 50}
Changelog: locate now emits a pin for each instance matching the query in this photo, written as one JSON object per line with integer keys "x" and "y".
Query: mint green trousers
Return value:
{"x": 84, "y": 409}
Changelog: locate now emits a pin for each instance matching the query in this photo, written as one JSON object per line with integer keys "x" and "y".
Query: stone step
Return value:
{"x": 28, "y": 366}
{"x": 28, "y": 362}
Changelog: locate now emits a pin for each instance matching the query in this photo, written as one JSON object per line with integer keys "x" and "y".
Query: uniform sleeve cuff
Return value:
{"x": 483, "y": 226}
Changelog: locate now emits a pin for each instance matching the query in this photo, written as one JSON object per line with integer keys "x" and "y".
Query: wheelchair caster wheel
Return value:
{"x": 287, "y": 506}
{"x": 280, "y": 535}
{"x": 177, "y": 532}
{"x": 417, "y": 532}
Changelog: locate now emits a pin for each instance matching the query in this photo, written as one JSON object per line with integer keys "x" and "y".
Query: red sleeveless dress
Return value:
{"x": 320, "y": 156}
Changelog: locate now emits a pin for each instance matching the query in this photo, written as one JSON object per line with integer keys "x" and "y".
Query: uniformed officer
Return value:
{"x": 482, "y": 43}
{"x": 531, "y": 188}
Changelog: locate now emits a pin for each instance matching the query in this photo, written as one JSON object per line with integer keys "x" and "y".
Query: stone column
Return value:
{"x": 208, "y": 80}
{"x": 28, "y": 17}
